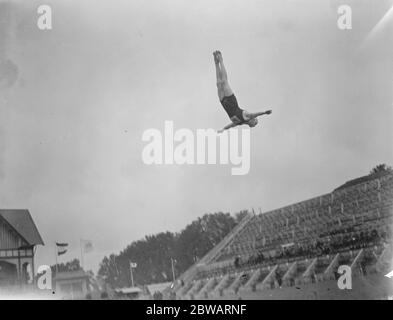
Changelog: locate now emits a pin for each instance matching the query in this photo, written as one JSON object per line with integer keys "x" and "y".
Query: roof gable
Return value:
{"x": 23, "y": 223}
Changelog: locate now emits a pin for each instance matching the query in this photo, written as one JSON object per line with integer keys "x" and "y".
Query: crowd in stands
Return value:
{"x": 330, "y": 244}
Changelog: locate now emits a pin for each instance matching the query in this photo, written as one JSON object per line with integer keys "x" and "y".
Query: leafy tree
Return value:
{"x": 201, "y": 236}
{"x": 240, "y": 215}
{"x": 72, "y": 265}
{"x": 381, "y": 168}
{"x": 153, "y": 254}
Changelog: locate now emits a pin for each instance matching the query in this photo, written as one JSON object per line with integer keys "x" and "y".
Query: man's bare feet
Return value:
{"x": 216, "y": 61}
{"x": 219, "y": 55}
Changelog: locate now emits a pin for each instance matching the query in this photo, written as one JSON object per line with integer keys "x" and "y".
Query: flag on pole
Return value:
{"x": 133, "y": 264}
{"x": 61, "y": 248}
{"x": 390, "y": 274}
{"x": 87, "y": 246}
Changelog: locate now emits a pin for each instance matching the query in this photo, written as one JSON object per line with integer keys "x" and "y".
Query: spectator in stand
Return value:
{"x": 237, "y": 262}
{"x": 278, "y": 277}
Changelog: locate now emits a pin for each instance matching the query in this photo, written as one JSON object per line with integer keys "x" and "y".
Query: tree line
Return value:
{"x": 155, "y": 254}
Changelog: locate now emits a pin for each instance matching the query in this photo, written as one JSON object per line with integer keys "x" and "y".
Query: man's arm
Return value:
{"x": 231, "y": 125}
{"x": 257, "y": 114}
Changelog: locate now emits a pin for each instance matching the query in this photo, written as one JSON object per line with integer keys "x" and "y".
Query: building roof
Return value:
{"x": 22, "y": 222}
{"x": 130, "y": 290}
{"x": 160, "y": 287}
{"x": 71, "y": 275}
{"x": 363, "y": 179}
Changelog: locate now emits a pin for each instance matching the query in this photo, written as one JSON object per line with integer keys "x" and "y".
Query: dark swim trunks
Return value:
{"x": 232, "y": 108}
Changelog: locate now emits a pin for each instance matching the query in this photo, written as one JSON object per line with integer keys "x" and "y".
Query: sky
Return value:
{"x": 75, "y": 101}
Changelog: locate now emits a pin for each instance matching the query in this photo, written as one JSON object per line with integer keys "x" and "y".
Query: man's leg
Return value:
{"x": 217, "y": 64}
{"x": 219, "y": 80}
{"x": 224, "y": 90}
{"x": 224, "y": 74}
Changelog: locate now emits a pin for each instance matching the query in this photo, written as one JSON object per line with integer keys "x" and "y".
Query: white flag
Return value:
{"x": 87, "y": 246}
{"x": 390, "y": 274}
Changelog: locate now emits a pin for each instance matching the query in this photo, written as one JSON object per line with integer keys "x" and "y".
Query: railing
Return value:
{"x": 213, "y": 253}
{"x": 291, "y": 270}
{"x": 186, "y": 276}
{"x": 329, "y": 269}
{"x": 265, "y": 281}
{"x": 357, "y": 258}
{"x": 310, "y": 268}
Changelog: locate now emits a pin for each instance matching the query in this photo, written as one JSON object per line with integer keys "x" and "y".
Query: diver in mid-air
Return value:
{"x": 228, "y": 100}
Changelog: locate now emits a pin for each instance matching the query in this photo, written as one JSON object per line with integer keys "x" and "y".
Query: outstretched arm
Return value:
{"x": 257, "y": 114}
{"x": 231, "y": 125}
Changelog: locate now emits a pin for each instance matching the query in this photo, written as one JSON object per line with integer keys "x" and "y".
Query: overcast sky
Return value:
{"x": 75, "y": 101}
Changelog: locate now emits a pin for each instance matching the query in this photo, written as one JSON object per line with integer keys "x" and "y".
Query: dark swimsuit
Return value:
{"x": 232, "y": 108}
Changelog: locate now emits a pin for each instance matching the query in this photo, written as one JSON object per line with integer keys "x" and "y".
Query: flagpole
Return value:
{"x": 132, "y": 278}
{"x": 82, "y": 262}
{"x": 56, "y": 268}
{"x": 173, "y": 271}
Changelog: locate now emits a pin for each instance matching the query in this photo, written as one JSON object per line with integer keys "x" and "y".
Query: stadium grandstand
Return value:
{"x": 294, "y": 252}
